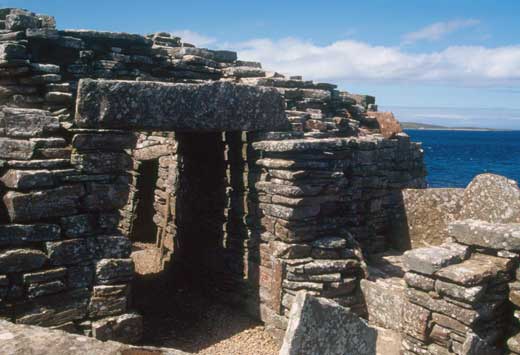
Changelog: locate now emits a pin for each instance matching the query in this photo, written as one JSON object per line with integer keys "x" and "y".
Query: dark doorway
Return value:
{"x": 143, "y": 228}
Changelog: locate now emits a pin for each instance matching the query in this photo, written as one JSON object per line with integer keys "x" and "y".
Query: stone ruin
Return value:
{"x": 124, "y": 155}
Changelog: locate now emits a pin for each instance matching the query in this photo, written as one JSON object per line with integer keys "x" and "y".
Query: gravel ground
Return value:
{"x": 197, "y": 323}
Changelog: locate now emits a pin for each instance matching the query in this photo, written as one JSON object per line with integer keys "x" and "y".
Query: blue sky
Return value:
{"x": 444, "y": 62}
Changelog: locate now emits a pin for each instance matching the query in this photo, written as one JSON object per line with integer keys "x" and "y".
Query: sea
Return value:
{"x": 454, "y": 158}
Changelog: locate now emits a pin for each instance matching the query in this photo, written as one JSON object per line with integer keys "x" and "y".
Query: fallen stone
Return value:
{"x": 127, "y": 328}
{"x": 321, "y": 326}
{"x": 428, "y": 260}
{"x": 491, "y": 198}
{"x": 19, "y": 339}
{"x": 218, "y": 106}
{"x": 498, "y": 236}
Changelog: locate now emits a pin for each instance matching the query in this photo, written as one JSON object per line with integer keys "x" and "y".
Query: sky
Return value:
{"x": 434, "y": 61}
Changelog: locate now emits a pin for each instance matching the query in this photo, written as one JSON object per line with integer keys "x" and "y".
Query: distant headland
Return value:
{"x": 425, "y": 126}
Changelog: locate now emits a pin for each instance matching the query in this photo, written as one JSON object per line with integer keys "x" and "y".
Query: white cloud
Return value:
{"x": 195, "y": 38}
{"x": 438, "y": 30}
{"x": 349, "y": 60}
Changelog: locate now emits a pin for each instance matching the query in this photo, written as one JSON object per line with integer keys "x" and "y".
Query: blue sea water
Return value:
{"x": 453, "y": 158}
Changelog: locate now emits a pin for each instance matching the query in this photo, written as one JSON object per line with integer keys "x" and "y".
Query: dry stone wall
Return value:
{"x": 297, "y": 209}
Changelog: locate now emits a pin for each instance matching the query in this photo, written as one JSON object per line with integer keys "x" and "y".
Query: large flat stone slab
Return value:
{"x": 321, "y": 326}
{"x": 211, "y": 107}
{"x": 17, "y": 339}
{"x": 498, "y": 236}
{"x": 491, "y": 198}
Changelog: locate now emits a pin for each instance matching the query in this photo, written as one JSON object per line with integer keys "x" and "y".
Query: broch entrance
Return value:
{"x": 142, "y": 177}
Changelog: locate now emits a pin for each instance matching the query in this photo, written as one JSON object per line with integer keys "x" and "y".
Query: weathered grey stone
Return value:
{"x": 105, "y": 197}
{"x": 328, "y": 266}
{"x": 461, "y": 293}
{"x": 474, "y": 345}
{"x": 111, "y": 271}
{"x": 476, "y": 270}
{"x": 218, "y": 106}
{"x": 70, "y": 252}
{"x": 86, "y": 141}
{"x": 289, "y": 251}
{"x": 55, "y": 309}
{"x": 415, "y": 320}
{"x": 61, "y": 201}
{"x": 19, "y": 260}
{"x": 428, "y": 260}
{"x": 77, "y": 226}
{"x": 45, "y": 288}
{"x": 321, "y": 326}
{"x": 108, "y": 301}
{"x": 385, "y": 301}
{"x": 27, "y": 179}
{"x": 16, "y": 22}
{"x": 491, "y": 198}
{"x": 116, "y": 246}
{"x": 330, "y": 243}
{"x": 19, "y": 339}
{"x": 80, "y": 276}
{"x": 44, "y": 276}
{"x": 498, "y": 236}
{"x": 127, "y": 328}
{"x": 115, "y": 39}
{"x": 419, "y": 281}
{"x": 25, "y": 122}
{"x": 101, "y": 162}
{"x": 12, "y": 50}
{"x": 20, "y": 234}
{"x": 428, "y": 213}
{"x": 16, "y": 149}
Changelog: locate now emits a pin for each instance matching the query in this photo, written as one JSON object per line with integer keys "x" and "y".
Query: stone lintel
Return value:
{"x": 209, "y": 107}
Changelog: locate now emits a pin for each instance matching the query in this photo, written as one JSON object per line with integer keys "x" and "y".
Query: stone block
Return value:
{"x": 428, "y": 260}
{"x": 384, "y": 303}
{"x": 478, "y": 269}
{"x": 33, "y": 206}
{"x": 45, "y": 288}
{"x": 415, "y": 321}
{"x": 498, "y": 236}
{"x": 16, "y": 149}
{"x": 54, "y": 309}
{"x": 108, "y": 301}
{"x": 77, "y": 226}
{"x": 113, "y": 246}
{"x": 17, "y": 22}
{"x": 45, "y": 276}
{"x": 218, "y": 106}
{"x": 20, "y": 260}
{"x": 112, "y": 271}
{"x": 70, "y": 252}
{"x": 27, "y": 179}
{"x": 321, "y": 326}
{"x": 101, "y": 162}
{"x": 106, "y": 141}
{"x": 127, "y": 328}
{"x": 105, "y": 197}
{"x": 26, "y": 123}
{"x": 21, "y": 234}
{"x": 491, "y": 198}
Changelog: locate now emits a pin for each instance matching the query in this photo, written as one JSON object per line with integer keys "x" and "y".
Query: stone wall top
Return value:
{"x": 217, "y": 106}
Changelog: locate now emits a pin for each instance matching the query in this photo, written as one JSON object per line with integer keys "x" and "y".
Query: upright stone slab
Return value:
{"x": 211, "y": 107}
{"x": 321, "y": 326}
{"x": 491, "y": 198}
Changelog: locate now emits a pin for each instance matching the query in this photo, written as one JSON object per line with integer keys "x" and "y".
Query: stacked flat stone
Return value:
{"x": 460, "y": 290}
{"x": 322, "y": 202}
{"x": 297, "y": 204}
